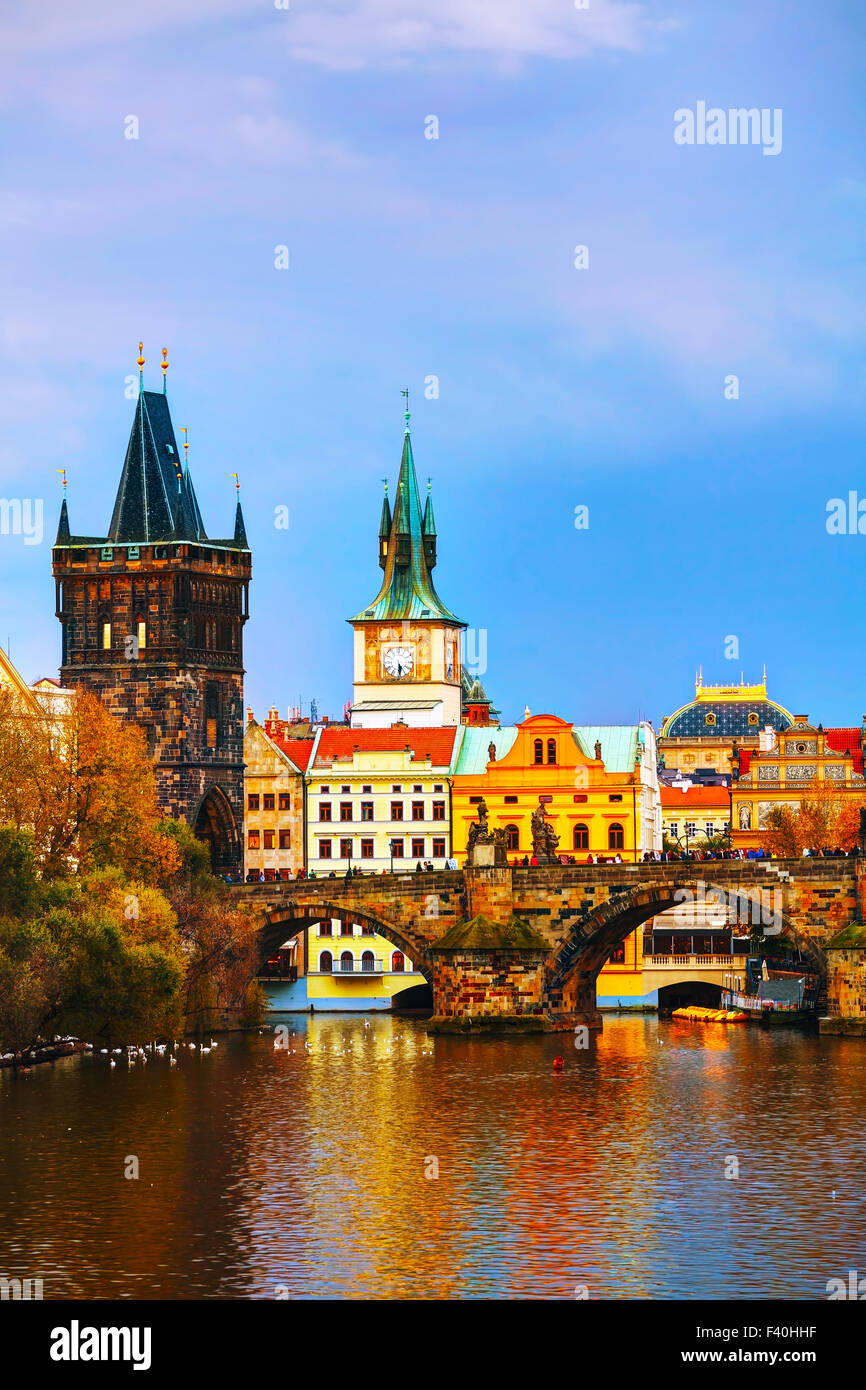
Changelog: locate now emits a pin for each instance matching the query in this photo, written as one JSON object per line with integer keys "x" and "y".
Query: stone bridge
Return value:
{"x": 531, "y": 941}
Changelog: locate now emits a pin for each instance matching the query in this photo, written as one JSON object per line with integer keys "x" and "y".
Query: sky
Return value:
{"x": 447, "y": 265}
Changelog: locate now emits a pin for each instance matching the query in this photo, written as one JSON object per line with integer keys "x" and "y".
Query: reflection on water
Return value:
{"x": 305, "y": 1169}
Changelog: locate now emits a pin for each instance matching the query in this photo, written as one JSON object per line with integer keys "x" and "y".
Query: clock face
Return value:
{"x": 399, "y": 662}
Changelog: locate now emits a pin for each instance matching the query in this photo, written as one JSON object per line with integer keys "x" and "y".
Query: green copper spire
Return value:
{"x": 405, "y": 553}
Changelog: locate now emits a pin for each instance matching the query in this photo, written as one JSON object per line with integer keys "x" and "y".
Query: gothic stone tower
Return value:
{"x": 152, "y": 617}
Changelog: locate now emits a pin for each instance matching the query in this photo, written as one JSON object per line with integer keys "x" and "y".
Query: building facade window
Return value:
{"x": 396, "y": 849}
{"x": 366, "y": 810}
{"x": 253, "y": 801}
{"x": 513, "y": 835}
{"x": 511, "y": 800}
{"x": 324, "y": 849}
{"x": 345, "y": 810}
{"x": 368, "y": 961}
{"x": 580, "y": 837}
{"x": 615, "y": 837}
{"x": 285, "y": 801}
{"x": 538, "y": 755}
{"x": 398, "y": 961}
{"x": 396, "y": 810}
{"x": 347, "y": 961}
{"x": 417, "y": 810}
{"x": 346, "y": 929}
{"x": 367, "y": 849}
{"x": 326, "y": 961}
{"x": 269, "y": 839}
{"x": 268, "y": 801}
{"x": 438, "y": 847}
{"x": 438, "y": 810}
{"x": 615, "y": 796}
{"x": 617, "y": 956}
{"x": 326, "y": 929}
{"x": 253, "y": 839}
{"x": 417, "y": 848}
{"x": 345, "y": 849}
{"x": 324, "y": 810}
{"x": 285, "y": 839}
{"x": 551, "y": 750}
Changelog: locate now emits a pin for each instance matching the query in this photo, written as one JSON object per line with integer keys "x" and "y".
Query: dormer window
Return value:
{"x": 710, "y": 719}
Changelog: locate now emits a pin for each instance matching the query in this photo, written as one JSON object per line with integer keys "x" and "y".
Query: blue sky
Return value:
{"x": 410, "y": 257}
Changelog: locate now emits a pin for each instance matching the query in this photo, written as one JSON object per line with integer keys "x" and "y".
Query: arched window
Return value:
{"x": 539, "y": 750}
{"x": 513, "y": 836}
{"x": 105, "y": 633}
{"x": 615, "y": 837}
{"x": 141, "y": 634}
{"x": 580, "y": 838}
{"x": 368, "y": 961}
{"x": 551, "y": 750}
{"x": 347, "y": 961}
{"x": 398, "y": 962}
{"x": 326, "y": 962}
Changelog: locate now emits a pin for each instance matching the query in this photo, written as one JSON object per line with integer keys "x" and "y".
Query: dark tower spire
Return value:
{"x": 63, "y": 536}
{"x": 384, "y": 527}
{"x": 429, "y": 530}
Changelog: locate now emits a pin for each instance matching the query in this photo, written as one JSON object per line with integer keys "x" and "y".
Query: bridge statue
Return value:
{"x": 544, "y": 838}
{"x": 485, "y": 848}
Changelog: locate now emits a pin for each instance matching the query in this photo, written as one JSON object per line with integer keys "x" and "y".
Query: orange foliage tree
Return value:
{"x": 81, "y": 780}
{"x": 824, "y": 820}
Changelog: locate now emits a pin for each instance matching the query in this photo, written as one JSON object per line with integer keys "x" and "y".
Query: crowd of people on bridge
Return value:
{"x": 532, "y": 861}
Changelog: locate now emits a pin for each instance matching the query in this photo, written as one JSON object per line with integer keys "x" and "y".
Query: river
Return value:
{"x": 312, "y": 1172}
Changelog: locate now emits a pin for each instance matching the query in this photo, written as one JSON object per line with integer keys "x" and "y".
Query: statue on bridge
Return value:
{"x": 483, "y": 847}
{"x": 544, "y": 839}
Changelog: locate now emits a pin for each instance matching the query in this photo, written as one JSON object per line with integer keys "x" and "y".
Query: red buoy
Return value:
{"x": 558, "y": 1064}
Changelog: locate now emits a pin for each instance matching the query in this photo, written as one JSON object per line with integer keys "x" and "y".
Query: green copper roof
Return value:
{"x": 407, "y": 587}
{"x": 619, "y": 743}
{"x": 472, "y": 758}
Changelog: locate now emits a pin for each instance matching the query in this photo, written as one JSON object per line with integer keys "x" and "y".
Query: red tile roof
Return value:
{"x": 846, "y": 741}
{"x": 340, "y": 743}
{"x": 695, "y": 796}
{"x": 298, "y": 749}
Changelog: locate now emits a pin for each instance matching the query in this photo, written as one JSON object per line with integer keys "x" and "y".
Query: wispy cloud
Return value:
{"x": 346, "y": 34}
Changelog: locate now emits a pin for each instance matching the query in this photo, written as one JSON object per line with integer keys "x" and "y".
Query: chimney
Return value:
{"x": 249, "y": 715}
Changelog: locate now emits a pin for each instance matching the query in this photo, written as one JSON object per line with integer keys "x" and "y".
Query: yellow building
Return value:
{"x": 801, "y": 758}
{"x": 599, "y": 788}
{"x": 274, "y": 767}
{"x": 702, "y": 733}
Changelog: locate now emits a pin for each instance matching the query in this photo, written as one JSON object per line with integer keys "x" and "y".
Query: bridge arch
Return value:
{"x": 290, "y": 919}
{"x": 576, "y": 963}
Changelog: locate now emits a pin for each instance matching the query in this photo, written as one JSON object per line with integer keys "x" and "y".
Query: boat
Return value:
{"x": 697, "y": 1014}
{"x": 774, "y": 994}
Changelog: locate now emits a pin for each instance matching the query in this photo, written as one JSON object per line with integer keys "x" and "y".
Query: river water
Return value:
{"x": 312, "y": 1171}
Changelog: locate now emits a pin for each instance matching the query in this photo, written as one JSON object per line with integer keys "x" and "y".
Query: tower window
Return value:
{"x": 106, "y": 637}
{"x": 211, "y": 711}
{"x": 142, "y": 636}
{"x": 539, "y": 750}
{"x": 551, "y": 750}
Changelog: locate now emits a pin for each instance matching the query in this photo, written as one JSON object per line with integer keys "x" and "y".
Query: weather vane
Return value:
{"x": 62, "y": 472}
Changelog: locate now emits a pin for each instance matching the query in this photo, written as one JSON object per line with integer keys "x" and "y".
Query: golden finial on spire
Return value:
{"x": 62, "y": 472}
{"x": 140, "y": 356}
{"x": 237, "y": 482}
{"x": 164, "y": 365}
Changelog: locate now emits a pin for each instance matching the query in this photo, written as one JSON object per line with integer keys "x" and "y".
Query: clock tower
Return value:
{"x": 407, "y": 643}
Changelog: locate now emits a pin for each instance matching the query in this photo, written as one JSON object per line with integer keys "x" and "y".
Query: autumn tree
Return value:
{"x": 823, "y": 820}
{"x": 83, "y": 783}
